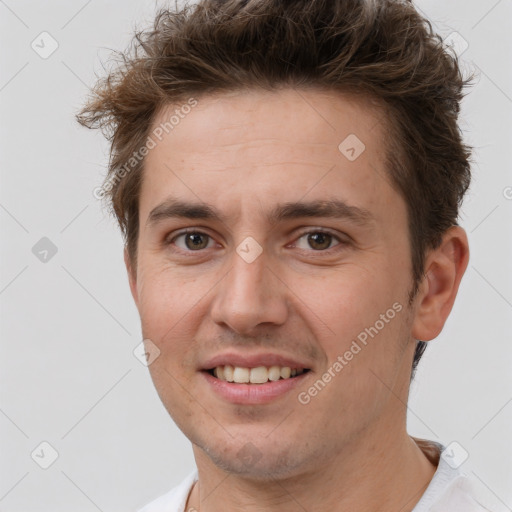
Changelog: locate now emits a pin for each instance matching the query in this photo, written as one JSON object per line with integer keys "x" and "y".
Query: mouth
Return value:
{"x": 256, "y": 375}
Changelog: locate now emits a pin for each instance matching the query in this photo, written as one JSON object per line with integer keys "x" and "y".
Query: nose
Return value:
{"x": 250, "y": 296}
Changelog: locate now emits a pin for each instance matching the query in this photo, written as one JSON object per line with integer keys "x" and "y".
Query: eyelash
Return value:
{"x": 168, "y": 242}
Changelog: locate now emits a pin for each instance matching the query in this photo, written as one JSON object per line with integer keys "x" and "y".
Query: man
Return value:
{"x": 287, "y": 175}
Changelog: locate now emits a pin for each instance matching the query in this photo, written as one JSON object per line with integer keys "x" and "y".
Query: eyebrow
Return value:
{"x": 331, "y": 208}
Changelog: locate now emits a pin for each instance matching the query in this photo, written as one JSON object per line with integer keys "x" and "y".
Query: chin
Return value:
{"x": 255, "y": 460}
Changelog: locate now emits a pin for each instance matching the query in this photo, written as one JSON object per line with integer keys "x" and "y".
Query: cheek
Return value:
{"x": 168, "y": 307}
{"x": 343, "y": 302}
{"x": 177, "y": 396}
{"x": 163, "y": 292}
{"x": 357, "y": 314}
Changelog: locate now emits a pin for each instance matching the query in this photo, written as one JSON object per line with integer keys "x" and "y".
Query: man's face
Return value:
{"x": 268, "y": 282}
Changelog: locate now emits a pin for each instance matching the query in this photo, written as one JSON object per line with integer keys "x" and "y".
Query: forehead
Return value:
{"x": 246, "y": 144}
{"x": 312, "y": 117}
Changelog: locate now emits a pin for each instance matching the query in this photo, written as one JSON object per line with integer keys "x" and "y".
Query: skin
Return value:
{"x": 243, "y": 153}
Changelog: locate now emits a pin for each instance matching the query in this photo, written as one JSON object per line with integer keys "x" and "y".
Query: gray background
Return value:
{"x": 68, "y": 325}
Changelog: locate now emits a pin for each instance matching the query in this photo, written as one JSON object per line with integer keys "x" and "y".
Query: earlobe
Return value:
{"x": 132, "y": 279}
{"x": 444, "y": 268}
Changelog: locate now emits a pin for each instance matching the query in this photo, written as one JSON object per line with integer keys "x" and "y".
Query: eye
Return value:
{"x": 317, "y": 240}
{"x": 192, "y": 241}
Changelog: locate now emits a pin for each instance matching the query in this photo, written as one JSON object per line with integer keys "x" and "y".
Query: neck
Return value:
{"x": 387, "y": 476}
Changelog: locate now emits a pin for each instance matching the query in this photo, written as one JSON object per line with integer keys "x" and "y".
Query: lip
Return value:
{"x": 253, "y": 361}
{"x": 252, "y": 394}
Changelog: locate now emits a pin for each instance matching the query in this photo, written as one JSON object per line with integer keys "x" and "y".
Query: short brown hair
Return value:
{"x": 383, "y": 49}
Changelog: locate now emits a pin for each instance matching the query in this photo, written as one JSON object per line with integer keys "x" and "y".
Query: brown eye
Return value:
{"x": 196, "y": 241}
{"x": 193, "y": 241}
{"x": 319, "y": 241}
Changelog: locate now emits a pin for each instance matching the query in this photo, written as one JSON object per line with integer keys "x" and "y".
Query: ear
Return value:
{"x": 132, "y": 277}
{"x": 444, "y": 268}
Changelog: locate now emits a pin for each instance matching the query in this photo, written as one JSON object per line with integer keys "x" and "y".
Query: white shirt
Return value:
{"x": 450, "y": 490}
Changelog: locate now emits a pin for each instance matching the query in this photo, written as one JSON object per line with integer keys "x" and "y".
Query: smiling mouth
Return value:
{"x": 258, "y": 375}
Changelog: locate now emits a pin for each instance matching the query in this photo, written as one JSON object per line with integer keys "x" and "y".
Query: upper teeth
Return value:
{"x": 258, "y": 375}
